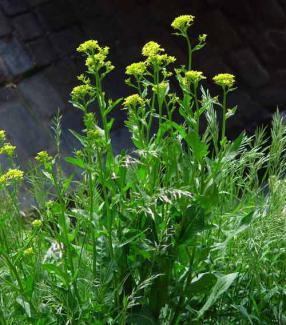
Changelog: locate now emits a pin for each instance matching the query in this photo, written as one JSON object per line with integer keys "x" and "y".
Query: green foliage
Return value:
{"x": 187, "y": 228}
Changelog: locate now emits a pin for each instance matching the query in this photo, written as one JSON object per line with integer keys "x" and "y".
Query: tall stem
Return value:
{"x": 91, "y": 208}
{"x": 223, "y": 115}
{"x": 190, "y": 52}
{"x": 197, "y": 115}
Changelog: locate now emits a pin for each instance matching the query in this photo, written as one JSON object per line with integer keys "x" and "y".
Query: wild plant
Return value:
{"x": 177, "y": 230}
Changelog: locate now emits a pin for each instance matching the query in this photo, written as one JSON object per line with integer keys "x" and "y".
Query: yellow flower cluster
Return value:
{"x": 2, "y": 135}
{"x": 151, "y": 48}
{"x": 96, "y": 56}
{"x": 28, "y": 251}
{"x": 37, "y": 223}
{"x": 88, "y": 47}
{"x": 182, "y": 23}
{"x": 202, "y": 38}
{"x": 133, "y": 100}
{"x": 11, "y": 175}
{"x": 161, "y": 88}
{"x": 136, "y": 69}
{"x": 194, "y": 76}
{"x": 224, "y": 80}
{"x": 7, "y": 149}
{"x": 80, "y": 92}
{"x": 153, "y": 52}
{"x": 43, "y": 157}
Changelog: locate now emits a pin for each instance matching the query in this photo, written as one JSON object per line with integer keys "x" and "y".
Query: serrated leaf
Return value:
{"x": 199, "y": 148}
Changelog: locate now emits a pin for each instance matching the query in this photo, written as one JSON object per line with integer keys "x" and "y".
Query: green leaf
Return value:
{"x": 75, "y": 161}
{"x": 202, "y": 284}
{"x": 56, "y": 270}
{"x": 25, "y": 305}
{"x": 221, "y": 286}
{"x": 246, "y": 220}
{"x": 67, "y": 183}
{"x": 141, "y": 319}
{"x": 199, "y": 148}
{"x": 233, "y": 148}
{"x": 49, "y": 176}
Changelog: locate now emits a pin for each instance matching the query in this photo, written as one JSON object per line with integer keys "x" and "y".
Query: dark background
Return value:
{"x": 38, "y": 62}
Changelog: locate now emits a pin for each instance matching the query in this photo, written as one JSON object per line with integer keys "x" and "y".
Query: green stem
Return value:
{"x": 91, "y": 208}
{"x": 190, "y": 52}
{"x": 65, "y": 236}
{"x": 13, "y": 271}
{"x": 223, "y": 115}
{"x": 197, "y": 116}
{"x": 106, "y": 201}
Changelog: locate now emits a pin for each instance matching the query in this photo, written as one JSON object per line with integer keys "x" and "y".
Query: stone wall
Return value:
{"x": 38, "y": 63}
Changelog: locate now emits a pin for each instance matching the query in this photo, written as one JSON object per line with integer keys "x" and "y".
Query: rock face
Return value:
{"x": 38, "y": 62}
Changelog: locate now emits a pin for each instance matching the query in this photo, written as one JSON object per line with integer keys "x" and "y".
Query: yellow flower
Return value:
{"x": 182, "y": 23}
{"x": 49, "y": 204}
{"x": 202, "y": 38}
{"x": 84, "y": 79}
{"x": 224, "y": 80}
{"x": 133, "y": 100}
{"x": 11, "y": 175}
{"x": 37, "y": 223}
{"x": 151, "y": 48}
{"x": 97, "y": 60}
{"x": 194, "y": 76}
{"x": 2, "y": 135}
{"x": 28, "y": 251}
{"x": 81, "y": 92}
{"x": 43, "y": 157}
{"x": 7, "y": 149}
{"x": 161, "y": 88}
{"x": 136, "y": 69}
{"x": 161, "y": 59}
{"x": 95, "y": 134}
{"x": 88, "y": 47}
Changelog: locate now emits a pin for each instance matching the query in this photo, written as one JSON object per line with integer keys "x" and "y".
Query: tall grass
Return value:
{"x": 187, "y": 228}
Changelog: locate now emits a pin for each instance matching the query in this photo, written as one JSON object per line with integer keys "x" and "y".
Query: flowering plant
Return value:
{"x": 177, "y": 230}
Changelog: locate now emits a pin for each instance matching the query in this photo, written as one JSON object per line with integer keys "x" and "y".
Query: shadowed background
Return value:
{"x": 39, "y": 65}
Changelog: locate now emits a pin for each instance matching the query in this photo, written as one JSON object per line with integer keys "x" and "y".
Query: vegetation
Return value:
{"x": 187, "y": 228}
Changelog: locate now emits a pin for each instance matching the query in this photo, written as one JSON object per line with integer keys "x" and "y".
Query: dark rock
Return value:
{"x": 34, "y": 3}
{"x": 13, "y": 7}
{"x": 71, "y": 120}
{"x": 278, "y": 39}
{"x": 69, "y": 70}
{"x": 41, "y": 96}
{"x": 55, "y": 15}
{"x": 241, "y": 10}
{"x": 27, "y": 26}
{"x": 121, "y": 140}
{"x": 210, "y": 62}
{"x": 4, "y": 74}
{"x": 220, "y": 31}
{"x": 15, "y": 57}
{"x": 249, "y": 68}
{"x": 24, "y": 131}
{"x": 66, "y": 41}
{"x": 272, "y": 13}
{"x": 8, "y": 94}
{"x": 41, "y": 51}
{"x": 84, "y": 10}
{"x": 273, "y": 96}
{"x": 4, "y": 25}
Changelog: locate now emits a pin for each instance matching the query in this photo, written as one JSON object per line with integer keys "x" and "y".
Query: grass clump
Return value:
{"x": 188, "y": 228}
